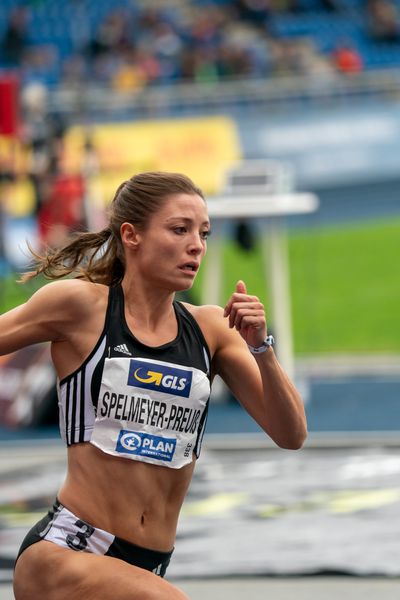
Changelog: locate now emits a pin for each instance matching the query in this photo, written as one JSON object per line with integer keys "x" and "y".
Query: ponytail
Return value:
{"x": 95, "y": 257}
{"x": 99, "y": 257}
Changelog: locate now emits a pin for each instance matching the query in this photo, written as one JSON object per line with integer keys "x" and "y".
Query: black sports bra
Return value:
{"x": 139, "y": 402}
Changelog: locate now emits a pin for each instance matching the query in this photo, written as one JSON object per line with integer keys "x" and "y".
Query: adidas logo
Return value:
{"x": 123, "y": 348}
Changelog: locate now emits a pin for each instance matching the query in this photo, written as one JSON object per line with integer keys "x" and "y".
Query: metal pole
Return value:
{"x": 275, "y": 253}
{"x": 211, "y": 288}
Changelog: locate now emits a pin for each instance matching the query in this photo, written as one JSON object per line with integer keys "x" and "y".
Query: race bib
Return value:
{"x": 150, "y": 410}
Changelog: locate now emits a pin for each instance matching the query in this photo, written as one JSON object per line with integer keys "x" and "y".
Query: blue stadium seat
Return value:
{"x": 56, "y": 22}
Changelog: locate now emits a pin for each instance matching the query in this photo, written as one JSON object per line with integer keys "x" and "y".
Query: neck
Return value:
{"x": 145, "y": 303}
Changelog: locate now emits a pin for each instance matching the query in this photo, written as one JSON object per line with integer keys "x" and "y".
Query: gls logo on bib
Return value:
{"x": 161, "y": 378}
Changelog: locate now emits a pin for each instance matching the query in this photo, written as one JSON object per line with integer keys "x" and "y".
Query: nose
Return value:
{"x": 197, "y": 245}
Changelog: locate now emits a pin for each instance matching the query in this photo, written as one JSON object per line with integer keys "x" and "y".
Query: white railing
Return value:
{"x": 85, "y": 100}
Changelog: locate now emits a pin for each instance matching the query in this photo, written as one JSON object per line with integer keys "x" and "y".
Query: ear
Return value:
{"x": 130, "y": 236}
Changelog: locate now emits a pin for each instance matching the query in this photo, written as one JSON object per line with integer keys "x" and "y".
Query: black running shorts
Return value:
{"x": 63, "y": 528}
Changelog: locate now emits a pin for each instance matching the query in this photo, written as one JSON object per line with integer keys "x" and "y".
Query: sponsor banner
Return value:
{"x": 323, "y": 147}
{"x": 329, "y": 146}
{"x": 202, "y": 148}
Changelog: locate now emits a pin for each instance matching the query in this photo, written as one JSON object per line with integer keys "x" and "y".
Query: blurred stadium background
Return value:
{"x": 93, "y": 91}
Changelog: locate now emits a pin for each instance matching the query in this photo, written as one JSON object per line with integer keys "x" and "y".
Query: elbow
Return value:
{"x": 295, "y": 441}
{"x": 293, "y": 444}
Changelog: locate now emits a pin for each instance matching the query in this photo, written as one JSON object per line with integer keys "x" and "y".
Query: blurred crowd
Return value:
{"x": 33, "y": 156}
{"x": 133, "y": 44}
{"x": 140, "y": 43}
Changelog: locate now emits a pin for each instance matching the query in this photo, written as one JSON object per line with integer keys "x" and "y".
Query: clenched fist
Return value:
{"x": 246, "y": 313}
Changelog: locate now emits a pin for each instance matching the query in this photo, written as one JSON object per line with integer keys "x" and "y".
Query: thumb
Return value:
{"x": 241, "y": 287}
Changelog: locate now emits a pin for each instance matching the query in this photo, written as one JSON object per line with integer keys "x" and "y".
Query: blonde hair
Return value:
{"x": 99, "y": 256}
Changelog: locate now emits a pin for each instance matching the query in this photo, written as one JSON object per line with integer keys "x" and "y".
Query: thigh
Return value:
{"x": 45, "y": 571}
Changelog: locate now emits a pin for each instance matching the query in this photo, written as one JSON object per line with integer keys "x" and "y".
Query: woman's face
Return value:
{"x": 168, "y": 252}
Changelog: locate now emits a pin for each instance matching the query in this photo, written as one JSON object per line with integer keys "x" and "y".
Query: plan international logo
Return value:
{"x": 161, "y": 378}
{"x": 145, "y": 444}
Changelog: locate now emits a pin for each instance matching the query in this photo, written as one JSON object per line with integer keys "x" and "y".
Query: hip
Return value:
{"x": 63, "y": 528}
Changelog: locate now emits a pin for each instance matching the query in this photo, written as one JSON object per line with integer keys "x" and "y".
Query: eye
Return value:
{"x": 180, "y": 230}
{"x": 205, "y": 234}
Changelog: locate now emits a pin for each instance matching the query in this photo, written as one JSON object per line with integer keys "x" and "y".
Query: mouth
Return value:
{"x": 190, "y": 268}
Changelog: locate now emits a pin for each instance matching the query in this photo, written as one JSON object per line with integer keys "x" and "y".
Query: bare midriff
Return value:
{"x": 135, "y": 501}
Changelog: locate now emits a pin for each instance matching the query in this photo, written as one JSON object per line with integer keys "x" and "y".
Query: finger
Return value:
{"x": 239, "y": 295}
{"x": 237, "y": 300}
{"x": 244, "y": 308}
{"x": 253, "y": 330}
{"x": 244, "y": 317}
{"x": 241, "y": 287}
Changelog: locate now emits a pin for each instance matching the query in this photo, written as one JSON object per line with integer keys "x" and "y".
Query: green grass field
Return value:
{"x": 345, "y": 285}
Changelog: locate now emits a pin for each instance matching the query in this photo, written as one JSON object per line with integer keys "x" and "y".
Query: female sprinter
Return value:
{"x": 134, "y": 369}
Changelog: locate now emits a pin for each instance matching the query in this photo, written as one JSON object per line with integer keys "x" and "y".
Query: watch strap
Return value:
{"x": 267, "y": 343}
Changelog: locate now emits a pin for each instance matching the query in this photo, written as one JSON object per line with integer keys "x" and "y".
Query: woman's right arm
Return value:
{"x": 45, "y": 317}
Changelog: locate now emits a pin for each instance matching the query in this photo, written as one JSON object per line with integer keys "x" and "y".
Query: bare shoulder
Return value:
{"x": 212, "y": 322}
{"x": 206, "y": 313}
{"x": 52, "y": 313}
{"x": 61, "y": 305}
{"x": 72, "y": 295}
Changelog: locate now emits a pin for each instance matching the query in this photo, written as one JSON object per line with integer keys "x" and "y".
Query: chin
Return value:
{"x": 182, "y": 287}
{"x": 176, "y": 285}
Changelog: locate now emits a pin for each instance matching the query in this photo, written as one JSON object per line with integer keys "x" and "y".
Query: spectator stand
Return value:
{"x": 130, "y": 45}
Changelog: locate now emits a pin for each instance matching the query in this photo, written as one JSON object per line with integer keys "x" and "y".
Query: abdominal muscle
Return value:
{"x": 135, "y": 501}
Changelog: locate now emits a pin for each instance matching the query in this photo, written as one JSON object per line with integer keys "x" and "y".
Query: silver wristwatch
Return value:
{"x": 267, "y": 343}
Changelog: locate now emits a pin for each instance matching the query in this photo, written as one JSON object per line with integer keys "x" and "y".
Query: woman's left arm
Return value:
{"x": 257, "y": 380}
